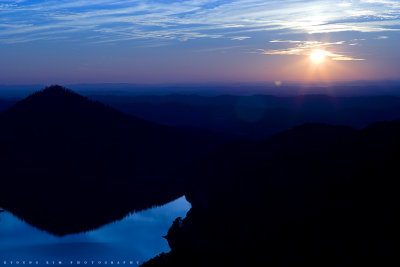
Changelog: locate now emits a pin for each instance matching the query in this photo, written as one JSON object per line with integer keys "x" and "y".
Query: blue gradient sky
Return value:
{"x": 166, "y": 41}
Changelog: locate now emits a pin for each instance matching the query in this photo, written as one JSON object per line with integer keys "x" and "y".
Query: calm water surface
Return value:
{"x": 136, "y": 238}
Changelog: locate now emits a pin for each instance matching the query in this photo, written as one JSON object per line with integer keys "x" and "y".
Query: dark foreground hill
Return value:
{"x": 68, "y": 164}
{"x": 316, "y": 195}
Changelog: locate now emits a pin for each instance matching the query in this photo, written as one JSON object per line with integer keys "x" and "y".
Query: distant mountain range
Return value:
{"x": 336, "y": 89}
{"x": 257, "y": 116}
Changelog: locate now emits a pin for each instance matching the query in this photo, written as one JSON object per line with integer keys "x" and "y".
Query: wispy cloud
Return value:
{"x": 240, "y": 38}
{"x": 219, "y": 49}
{"x": 113, "y": 21}
{"x": 306, "y": 48}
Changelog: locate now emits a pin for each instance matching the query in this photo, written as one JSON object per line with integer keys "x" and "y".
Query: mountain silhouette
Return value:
{"x": 315, "y": 195}
{"x": 312, "y": 195}
{"x": 69, "y": 164}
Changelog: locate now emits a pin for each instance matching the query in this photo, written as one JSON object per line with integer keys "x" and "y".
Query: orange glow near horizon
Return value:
{"x": 328, "y": 70}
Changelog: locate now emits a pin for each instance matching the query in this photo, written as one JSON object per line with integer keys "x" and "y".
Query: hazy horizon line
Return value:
{"x": 276, "y": 83}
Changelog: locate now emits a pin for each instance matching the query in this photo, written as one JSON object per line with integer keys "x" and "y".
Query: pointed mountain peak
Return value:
{"x": 54, "y": 92}
{"x": 51, "y": 100}
{"x": 55, "y": 88}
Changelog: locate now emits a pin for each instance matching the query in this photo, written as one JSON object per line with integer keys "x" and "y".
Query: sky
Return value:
{"x": 197, "y": 41}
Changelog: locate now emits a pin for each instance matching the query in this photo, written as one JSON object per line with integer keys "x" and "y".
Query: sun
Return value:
{"x": 318, "y": 56}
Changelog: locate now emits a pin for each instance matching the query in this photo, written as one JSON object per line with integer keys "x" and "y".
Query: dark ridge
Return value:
{"x": 69, "y": 164}
{"x": 6, "y": 103}
{"x": 316, "y": 195}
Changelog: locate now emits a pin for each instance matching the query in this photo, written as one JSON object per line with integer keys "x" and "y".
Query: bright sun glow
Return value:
{"x": 318, "y": 56}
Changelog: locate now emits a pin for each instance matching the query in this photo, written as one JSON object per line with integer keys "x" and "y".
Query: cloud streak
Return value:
{"x": 306, "y": 48}
{"x": 192, "y": 19}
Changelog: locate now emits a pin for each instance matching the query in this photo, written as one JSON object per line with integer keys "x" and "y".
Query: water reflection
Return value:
{"x": 137, "y": 238}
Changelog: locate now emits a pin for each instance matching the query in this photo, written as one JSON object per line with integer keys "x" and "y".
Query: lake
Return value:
{"x": 136, "y": 238}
